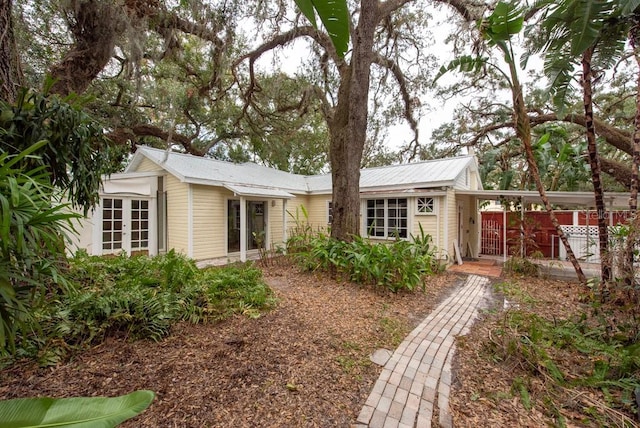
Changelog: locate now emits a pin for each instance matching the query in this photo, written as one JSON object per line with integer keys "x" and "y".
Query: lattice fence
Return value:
{"x": 584, "y": 243}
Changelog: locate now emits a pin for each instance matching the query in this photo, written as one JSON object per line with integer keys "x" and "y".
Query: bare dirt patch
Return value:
{"x": 305, "y": 363}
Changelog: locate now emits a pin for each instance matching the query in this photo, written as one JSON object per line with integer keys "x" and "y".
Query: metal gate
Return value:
{"x": 491, "y": 238}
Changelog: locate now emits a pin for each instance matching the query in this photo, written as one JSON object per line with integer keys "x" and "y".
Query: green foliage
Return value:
{"x": 396, "y": 265}
{"x": 570, "y": 27}
{"x": 32, "y": 225}
{"x": 140, "y": 297}
{"x": 77, "y": 153}
{"x": 521, "y": 266}
{"x": 78, "y": 412}
{"x": 562, "y": 354}
{"x": 335, "y": 17}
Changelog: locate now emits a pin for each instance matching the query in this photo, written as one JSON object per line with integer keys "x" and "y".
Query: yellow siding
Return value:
{"x": 274, "y": 213}
{"x": 209, "y": 221}
{"x": 294, "y": 209}
{"x": 177, "y": 215}
{"x": 146, "y": 166}
{"x": 429, "y": 224}
{"x": 317, "y": 208}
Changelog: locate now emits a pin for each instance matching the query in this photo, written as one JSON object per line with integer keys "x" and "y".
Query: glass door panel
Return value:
{"x": 255, "y": 225}
{"x": 112, "y": 224}
{"x": 233, "y": 226}
{"x": 139, "y": 225}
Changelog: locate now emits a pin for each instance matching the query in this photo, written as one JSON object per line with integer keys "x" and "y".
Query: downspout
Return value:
{"x": 284, "y": 224}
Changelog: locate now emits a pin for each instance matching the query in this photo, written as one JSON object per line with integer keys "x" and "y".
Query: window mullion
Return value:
{"x": 386, "y": 218}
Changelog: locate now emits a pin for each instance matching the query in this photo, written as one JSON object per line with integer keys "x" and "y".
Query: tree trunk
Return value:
{"x": 594, "y": 162}
{"x": 95, "y": 27}
{"x": 10, "y": 75}
{"x": 634, "y": 38}
{"x": 523, "y": 131}
{"x": 348, "y": 126}
{"x": 628, "y": 256}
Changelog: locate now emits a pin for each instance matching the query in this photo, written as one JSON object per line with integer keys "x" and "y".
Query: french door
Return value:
{"x": 125, "y": 225}
{"x": 255, "y": 225}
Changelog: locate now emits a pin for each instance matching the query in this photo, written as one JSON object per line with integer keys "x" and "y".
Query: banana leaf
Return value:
{"x": 76, "y": 412}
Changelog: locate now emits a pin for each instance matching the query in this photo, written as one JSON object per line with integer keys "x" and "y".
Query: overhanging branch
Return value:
{"x": 407, "y": 100}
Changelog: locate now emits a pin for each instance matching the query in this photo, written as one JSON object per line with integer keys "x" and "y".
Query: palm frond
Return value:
{"x": 464, "y": 64}
{"x": 559, "y": 70}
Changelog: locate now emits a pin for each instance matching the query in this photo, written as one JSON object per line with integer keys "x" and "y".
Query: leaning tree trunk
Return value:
{"x": 348, "y": 126}
{"x": 594, "y": 162}
{"x": 633, "y": 190}
{"x": 523, "y": 131}
{"x": 634, "y": 38}
{"x": 10, "y": 75}
{"x": 627, "y": 257}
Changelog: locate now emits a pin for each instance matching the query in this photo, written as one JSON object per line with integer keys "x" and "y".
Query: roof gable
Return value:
{"x": 199, "y": 170}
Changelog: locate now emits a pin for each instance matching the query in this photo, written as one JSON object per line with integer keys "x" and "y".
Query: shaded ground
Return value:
{"x": 306, "y": 363}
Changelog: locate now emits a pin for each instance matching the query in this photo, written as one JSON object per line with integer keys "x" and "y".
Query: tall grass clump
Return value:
{"x": 395, "y": 265}
{"x": 139, "y": 298}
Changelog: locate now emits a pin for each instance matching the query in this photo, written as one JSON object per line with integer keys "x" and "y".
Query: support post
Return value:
{"x": 243, "y": 229}
{"x": 504, "y": 233}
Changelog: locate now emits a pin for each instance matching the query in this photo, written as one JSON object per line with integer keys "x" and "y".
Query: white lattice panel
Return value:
{"x": 580, "y": 230}
{"x": 583, "y": 241}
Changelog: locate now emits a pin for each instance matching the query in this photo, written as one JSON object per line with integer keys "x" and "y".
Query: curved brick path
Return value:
{"x": 417, "y": 378}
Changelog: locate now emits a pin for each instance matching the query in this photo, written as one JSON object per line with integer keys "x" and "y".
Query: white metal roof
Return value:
{"x": 199, "y": 170}
{"x": 565, "y": 199}
{"x": 427, "y": 174}
{"x": 432, "y": 173}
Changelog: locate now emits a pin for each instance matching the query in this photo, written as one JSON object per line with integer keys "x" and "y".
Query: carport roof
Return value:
{"x": 564, "y": 199}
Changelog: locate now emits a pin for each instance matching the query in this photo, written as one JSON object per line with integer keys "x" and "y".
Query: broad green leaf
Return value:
{"x": 565, "y": 151}
{"x": 585, "y": 25}
{"x": 544, "y": 139}
{"x": 77, "y": 412}
{"x": 505, "y": 21}
{"x": 306, "y": 7}
{"x": 334, "y": 15}
{"x": 629, "y": 6}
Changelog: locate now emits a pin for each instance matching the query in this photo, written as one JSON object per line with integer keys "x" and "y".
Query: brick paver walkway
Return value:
{"x": 417, "y": 378}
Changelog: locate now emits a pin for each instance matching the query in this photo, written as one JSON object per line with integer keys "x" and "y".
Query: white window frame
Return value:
{"x": 388, "y": 233}
{"x": 329, "y": 212}
{"x": 434, "y": 206}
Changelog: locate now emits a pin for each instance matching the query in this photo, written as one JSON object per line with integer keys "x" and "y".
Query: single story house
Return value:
{"x": 210, "y": 209}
